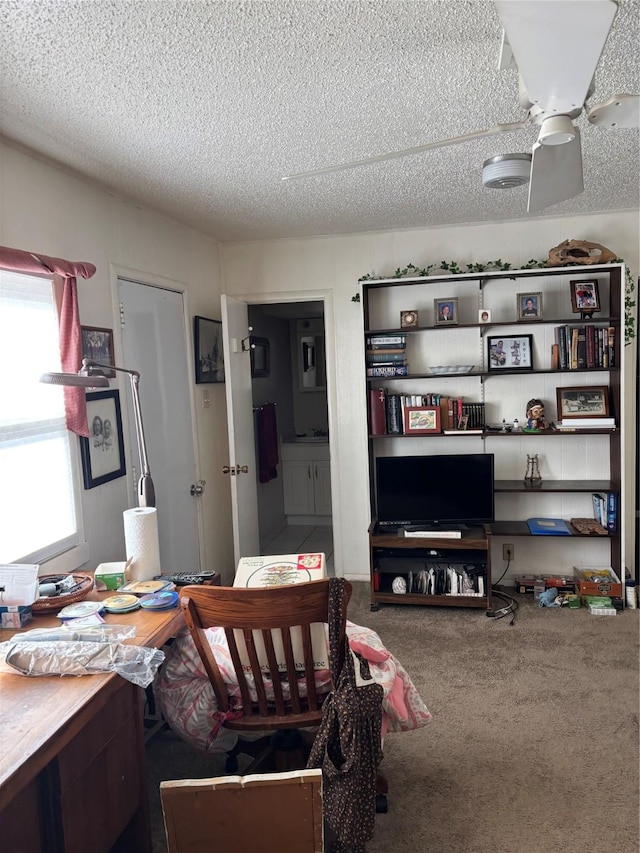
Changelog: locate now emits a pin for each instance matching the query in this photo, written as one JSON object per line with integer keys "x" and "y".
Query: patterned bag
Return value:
{"x": 348, "y": 746}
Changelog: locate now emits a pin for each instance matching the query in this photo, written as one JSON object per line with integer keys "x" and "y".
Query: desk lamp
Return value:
{"x": 89, "y": 376}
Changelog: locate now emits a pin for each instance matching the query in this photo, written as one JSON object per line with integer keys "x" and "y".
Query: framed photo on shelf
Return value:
{"x": 209, "y": 357}
{"x": 421, "y": 420}
{"x": 446, "y": 311}
{"x": 585, "y": 297}
{"x": 583, "y": 402}
{"x": 97, "y": 344}
{"x": 529, "y": 306}
{"x": 509, "y": 352}
{"x": 484, "y": 315}
{"x": 103, "y": 452}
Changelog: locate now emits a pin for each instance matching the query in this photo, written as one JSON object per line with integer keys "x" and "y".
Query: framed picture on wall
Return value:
{"x": 103, "y": 452}
{"x": 97, "y": 344}
{"x": 209, "y": 356}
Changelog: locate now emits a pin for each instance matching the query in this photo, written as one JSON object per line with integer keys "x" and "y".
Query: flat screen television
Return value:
{"x": 431, "y": 492}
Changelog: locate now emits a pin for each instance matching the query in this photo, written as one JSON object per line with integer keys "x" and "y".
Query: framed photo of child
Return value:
{"x": 446, "y": 311}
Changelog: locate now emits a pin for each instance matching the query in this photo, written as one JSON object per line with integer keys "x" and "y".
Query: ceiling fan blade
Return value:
{"x": 407, "y": 152}
{"x": 541, "y": 34}
{"x": 619, "y": 111}
{"x": 556, "y": 173}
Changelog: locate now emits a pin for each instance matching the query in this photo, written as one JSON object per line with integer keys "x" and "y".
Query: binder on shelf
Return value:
{"x": 377, "y": 411}
{"x": 612, "y": 512}
{"x": 599, "y": 508}
{"x": 548, "y": 527}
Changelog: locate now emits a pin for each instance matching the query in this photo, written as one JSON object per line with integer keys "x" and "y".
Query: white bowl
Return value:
{"x": 452, "y": 369}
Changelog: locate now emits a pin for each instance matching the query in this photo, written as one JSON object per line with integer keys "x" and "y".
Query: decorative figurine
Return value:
{"x": 535, "y": 416}
{"x": 516, "y": 425}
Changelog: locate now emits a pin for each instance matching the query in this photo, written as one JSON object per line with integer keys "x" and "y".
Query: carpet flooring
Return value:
{"x": 533, "y": 746}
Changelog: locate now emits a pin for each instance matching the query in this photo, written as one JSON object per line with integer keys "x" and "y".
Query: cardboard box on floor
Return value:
{"x": 597, "y": 580}
{"x": 279, "y": 570}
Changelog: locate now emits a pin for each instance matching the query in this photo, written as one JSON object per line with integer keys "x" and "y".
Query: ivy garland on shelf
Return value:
{"x": 454, "y": 268}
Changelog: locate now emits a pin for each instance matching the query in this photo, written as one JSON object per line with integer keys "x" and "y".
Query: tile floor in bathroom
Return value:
{"x": 300, "y": 539}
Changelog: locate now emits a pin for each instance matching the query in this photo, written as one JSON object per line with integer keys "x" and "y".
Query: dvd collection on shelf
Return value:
{"x": 386, "y": 412}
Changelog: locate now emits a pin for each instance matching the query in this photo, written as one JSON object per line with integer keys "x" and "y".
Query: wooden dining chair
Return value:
{"x": 269, "y": 633}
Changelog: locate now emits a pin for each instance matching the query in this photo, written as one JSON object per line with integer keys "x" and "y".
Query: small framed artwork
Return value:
{"x": 446, "y": 310}
{"x": 585, "y": 297}
{"x": 583, "y": 402}
{"x": 421, "y": 420}
{"x": 260, "y": 359}
{"x": 103, "y": 452}
{"x": 510, "y": 352}
{"x": 484, "y": 315}
{"x": 408, "y": 319}
{"x": 208, "y": 350}
{"x": 97, "y": 344}
{"x": 529, "y": 306}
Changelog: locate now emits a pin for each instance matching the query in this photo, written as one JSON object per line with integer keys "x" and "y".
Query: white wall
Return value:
{"x": 45, "y": 209}
{"x": 336, "y": 263}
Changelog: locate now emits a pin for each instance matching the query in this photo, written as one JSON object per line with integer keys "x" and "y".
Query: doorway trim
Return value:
{"x": 116, "y": 272}
{"x": 326, "y": 297}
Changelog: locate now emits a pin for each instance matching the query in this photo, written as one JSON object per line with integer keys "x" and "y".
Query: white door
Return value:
{"x": 154, "y": 343}
{"x": 242, "y": 451}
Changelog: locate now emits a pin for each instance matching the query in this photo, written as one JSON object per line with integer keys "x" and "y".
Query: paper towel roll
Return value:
{"x": 141, "y": 542}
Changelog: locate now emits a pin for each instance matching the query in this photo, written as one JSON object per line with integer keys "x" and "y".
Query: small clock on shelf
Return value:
{"x": 408, "y": 319}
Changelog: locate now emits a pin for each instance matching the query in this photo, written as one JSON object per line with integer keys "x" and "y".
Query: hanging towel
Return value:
{"x": 267, "y": 443}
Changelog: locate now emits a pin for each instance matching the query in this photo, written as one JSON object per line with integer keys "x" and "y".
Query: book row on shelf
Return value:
{"x": 388, "y": 412}
{"x": 386, "y": 355}
{"x": 580, "y": 347}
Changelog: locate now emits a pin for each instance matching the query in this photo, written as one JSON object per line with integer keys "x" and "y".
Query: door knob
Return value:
{"x": 197, "y": 489}
{"x": 226, "y": 469}
{"x": 242, "y": 469}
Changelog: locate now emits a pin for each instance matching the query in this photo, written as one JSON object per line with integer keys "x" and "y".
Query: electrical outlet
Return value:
{"x": 508, "y": 552}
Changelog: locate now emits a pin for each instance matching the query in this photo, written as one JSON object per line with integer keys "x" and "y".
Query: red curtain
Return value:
{"x": 66, "y": 294}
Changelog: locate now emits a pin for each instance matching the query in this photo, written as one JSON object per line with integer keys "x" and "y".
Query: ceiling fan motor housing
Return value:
{"x": 505, "y": 171}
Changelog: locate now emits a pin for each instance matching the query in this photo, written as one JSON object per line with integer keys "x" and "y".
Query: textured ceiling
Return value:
{"x": 199, "y": 108}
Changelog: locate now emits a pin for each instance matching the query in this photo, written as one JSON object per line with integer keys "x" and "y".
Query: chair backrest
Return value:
{"x": 251, "y": 615}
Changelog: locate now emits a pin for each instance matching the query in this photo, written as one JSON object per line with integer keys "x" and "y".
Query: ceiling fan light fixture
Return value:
{"x": 556, "y": 130}
{"x": 505, "y": 171}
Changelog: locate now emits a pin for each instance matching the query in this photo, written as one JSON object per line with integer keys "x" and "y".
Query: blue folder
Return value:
{"x": 548, "y": 527}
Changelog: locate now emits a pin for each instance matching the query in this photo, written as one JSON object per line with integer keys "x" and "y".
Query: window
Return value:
{"x": 40, "y": 514}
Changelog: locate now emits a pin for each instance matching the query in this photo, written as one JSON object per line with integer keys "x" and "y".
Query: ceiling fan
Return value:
{"x": 556, "y": 78}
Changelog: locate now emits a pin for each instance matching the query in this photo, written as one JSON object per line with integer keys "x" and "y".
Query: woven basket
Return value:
{"x": 57, "y": 602}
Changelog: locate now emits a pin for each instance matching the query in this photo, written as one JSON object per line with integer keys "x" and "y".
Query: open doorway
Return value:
{"x": 289, "y": 370}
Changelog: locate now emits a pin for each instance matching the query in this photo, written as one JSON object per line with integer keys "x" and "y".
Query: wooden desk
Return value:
{"x": 72, "y": 762}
